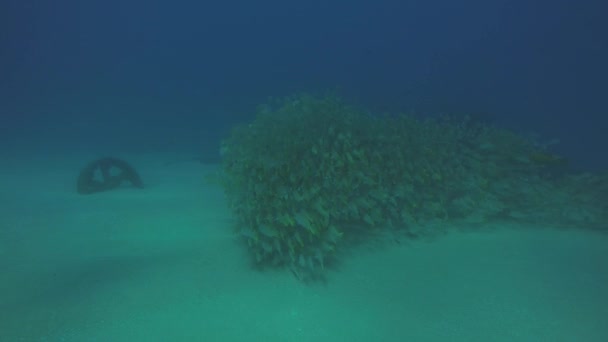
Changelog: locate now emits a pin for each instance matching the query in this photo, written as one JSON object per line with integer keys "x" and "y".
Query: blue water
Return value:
{"x": 161, "y": 83}
{"x": 76, "y": 72}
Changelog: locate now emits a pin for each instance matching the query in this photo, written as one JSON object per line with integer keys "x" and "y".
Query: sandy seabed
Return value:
{"x": 163, "y": 264}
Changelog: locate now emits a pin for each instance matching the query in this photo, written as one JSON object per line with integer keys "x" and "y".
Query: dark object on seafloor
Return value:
{"x": 106, "y": 174}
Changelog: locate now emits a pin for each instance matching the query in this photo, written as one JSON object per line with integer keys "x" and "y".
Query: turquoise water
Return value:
{"x": 161, "y": 264}
{"x": 161, "y": 84}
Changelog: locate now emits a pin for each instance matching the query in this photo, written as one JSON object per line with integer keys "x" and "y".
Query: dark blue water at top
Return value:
{"x": 154, "y": 75}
